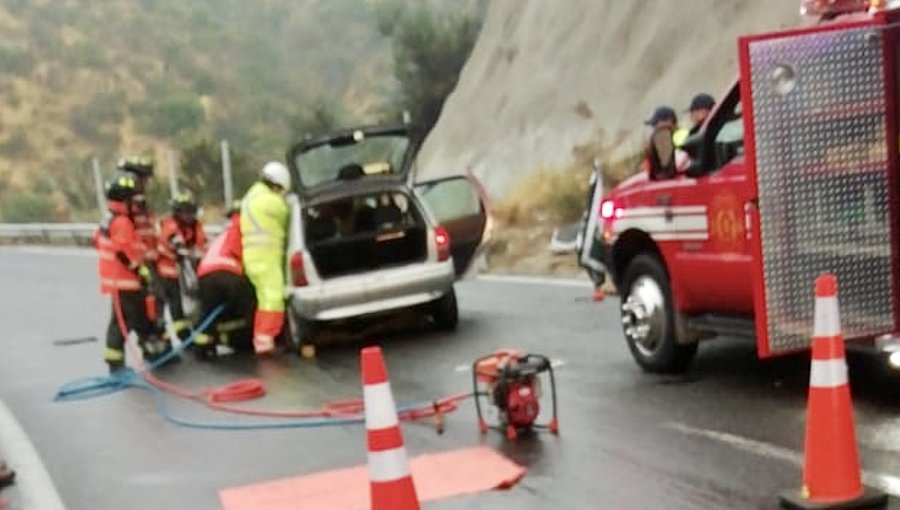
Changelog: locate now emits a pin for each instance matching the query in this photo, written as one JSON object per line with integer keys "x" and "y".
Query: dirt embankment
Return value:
{"x": 545, "y": 77}
{"x": 552, "y": 84}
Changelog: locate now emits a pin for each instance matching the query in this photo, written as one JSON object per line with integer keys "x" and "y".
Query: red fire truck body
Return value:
{"x": 794, "y": 174}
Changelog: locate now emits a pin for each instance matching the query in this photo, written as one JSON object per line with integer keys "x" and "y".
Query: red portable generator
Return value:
{"x": 511, "y": 381}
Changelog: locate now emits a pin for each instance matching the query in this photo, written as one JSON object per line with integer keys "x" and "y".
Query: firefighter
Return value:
{"x": 141, "y": 167}
{"x": 264, "y": 221}
{"x": 659, "y": 153}
{"x": 144, "y": 219}
{"x": 181, "y": 241}
{"x": 701, "y": 105}
{"x": 222, "y": 282}
{"x": 125, "y": 276}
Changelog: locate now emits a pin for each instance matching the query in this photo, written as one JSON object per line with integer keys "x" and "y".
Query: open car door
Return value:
{"x": 460, "y": 205}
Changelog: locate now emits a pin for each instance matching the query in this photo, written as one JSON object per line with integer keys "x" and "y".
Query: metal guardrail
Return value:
{"x": 80, "y": 234}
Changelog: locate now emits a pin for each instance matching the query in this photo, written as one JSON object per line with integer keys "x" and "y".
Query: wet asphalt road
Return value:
{"x": 728, "y": 435}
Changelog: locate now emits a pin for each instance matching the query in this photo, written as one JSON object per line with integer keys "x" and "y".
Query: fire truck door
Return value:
{"x": 715, "y": 266}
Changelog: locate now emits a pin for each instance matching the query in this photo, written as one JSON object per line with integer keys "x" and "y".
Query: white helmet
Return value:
{"x": 277, "y": 173}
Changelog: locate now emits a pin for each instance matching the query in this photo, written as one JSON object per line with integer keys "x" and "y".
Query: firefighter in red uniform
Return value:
{"x": 222, "y": 282}
{"x": 125, "y": 276}
{"x": 181, "y": 240}
{"x": 144, "y": 220}
{"x": 141, "y": 167}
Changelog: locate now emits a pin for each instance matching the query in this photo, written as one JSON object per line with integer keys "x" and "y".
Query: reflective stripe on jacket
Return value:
{"x": 193, "y": 237}
{"x": 264, "y": 222}
{"x": 119, "y": 252}
{"x": 224, "y": 252}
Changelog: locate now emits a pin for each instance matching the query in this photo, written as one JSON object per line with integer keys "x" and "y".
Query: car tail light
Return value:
{"x": 442, "y": 240}
{"x": 607, "y": 209}
{"x": 298, "y": 272}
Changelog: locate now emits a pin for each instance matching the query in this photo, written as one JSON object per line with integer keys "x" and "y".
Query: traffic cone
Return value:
{"x": 390, "y": 480}
{"x": 831, "y": 473}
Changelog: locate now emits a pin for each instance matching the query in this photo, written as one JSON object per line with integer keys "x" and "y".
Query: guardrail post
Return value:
{"x": 226, "y": 175}
{"x": 173, "y": 174}
{"x": 98, "y": 185}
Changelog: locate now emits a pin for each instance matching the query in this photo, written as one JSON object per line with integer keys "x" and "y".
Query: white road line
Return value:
{"x": 32, "y": 480}
{"x": 51, "y": 250}
{"x": 887, "y": 483}
{"x": 535, "y": 280}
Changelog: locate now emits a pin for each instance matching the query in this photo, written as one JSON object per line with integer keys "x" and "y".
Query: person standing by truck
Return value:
{"x": 699, "y": 109}
{"x": 264, "y": 221}
{"x": 659, "y": 152}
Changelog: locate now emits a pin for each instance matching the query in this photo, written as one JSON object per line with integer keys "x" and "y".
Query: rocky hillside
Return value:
{"x": 546, "y": 78}
{"x": 80, "y": 78}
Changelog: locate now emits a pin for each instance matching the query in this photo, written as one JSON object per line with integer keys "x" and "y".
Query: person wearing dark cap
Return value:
{"x": 700, "y": 107}
{"x": 659, "y": 153}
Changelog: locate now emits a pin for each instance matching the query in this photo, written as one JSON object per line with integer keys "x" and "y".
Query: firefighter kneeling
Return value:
{"x": 181, "y": 241}
{"x": 222, "y": 282}
{"x": 126, "y": 278}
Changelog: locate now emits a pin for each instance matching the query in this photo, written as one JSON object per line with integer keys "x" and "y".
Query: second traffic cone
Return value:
{"x": 831, "y": 473}
{"x": 390, "y": 479}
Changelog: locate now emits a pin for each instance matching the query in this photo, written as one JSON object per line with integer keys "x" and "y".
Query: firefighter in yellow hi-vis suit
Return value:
{"x": 264, "y": 222}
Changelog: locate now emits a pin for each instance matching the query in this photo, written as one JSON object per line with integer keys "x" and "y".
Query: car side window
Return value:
{"x": 729, "y": 140}
{"x": 451, "y": 199}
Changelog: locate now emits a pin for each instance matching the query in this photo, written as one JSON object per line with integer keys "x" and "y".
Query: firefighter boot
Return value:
{"x": 115, "y": 367}
{"x": 182, "y": 329}
{"x": 156, "y": 348}
{"x": 204, "y": 348}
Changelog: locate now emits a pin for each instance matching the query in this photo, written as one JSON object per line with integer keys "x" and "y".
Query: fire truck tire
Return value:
{"x": 445, "y": 312}
{"x": 648, "y": 318}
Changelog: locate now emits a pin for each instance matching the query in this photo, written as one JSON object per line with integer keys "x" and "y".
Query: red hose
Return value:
{"x": 248, "y": 389}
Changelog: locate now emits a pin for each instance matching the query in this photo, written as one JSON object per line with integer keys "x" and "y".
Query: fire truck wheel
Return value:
{"x": 648, "y": 318}
{"x": 445, "y": 312}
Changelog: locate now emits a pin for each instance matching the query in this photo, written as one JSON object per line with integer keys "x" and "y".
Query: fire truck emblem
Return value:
{"x": 726, "y": 225}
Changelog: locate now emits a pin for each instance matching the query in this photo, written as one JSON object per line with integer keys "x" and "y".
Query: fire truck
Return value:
{"x": 795, "y": 173}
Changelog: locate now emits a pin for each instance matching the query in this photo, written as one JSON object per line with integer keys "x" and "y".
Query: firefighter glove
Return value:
{"x": 144, "y": 272}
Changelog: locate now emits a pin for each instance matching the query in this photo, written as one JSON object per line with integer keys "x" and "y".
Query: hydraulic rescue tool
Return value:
{"x": 511, "y": 381}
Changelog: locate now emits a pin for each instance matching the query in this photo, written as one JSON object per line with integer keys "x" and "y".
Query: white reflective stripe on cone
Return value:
{"x": 388, "y": 466}
{"x": 381, "y": 413}
{"x": 830, "y": 373}
{"x": 828, "y": 319}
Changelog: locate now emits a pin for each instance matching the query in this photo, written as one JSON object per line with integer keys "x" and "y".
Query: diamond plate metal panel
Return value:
{"x": 820, "y": 131}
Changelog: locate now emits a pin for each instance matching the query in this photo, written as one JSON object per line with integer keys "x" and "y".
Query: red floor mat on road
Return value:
{"x": 436, "y": 475}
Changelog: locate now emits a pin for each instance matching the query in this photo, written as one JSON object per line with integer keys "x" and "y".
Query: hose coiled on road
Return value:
{"x": 335, "y": 413}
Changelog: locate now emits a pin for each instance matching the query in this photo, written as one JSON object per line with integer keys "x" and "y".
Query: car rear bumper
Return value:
{"x": 374, "y": 292}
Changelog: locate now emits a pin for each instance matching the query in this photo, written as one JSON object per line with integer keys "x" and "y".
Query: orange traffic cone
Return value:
{"x": 831, "y": 473}
{"x": 390, "y": 480}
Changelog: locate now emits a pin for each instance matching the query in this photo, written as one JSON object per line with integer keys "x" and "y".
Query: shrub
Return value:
{"x": 17, "y": 145}
{"x": 170, "y": 117}
{"x": 27, "y": 207}
{"x": 15, "y": 61}
{"x": 91, "y": 121}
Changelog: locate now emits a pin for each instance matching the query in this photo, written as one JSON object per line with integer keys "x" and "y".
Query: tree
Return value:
{"x": 430, "y": 49}
{"x": 200, "y": 171}
{"x": 315, "y": 120}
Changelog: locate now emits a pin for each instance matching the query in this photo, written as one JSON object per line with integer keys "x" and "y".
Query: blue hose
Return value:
{"x": 93, "y": 387}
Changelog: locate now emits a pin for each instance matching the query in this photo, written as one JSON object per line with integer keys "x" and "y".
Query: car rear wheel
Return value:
{"x": 445, "y": 312}
{"x": 648, "y": 318}
{"x": 302, "y": 332}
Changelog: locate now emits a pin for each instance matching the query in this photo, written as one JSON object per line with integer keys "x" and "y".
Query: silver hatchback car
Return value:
{"x": 365, "y": 240}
